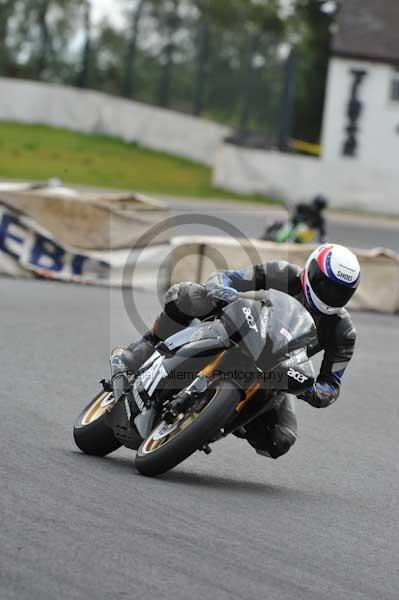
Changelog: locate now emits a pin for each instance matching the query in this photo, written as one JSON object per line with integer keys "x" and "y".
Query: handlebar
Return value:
{"x": 253, "y": 295}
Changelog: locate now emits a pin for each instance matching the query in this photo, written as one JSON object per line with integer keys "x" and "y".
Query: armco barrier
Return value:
{"x": 195, "y": 258}
{"x": 93, "y": 112}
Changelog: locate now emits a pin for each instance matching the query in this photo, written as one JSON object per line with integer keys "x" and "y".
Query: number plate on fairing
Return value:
{"x": 152, "y": 373}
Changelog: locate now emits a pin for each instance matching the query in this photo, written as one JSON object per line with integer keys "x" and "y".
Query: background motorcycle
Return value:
{"x": 203, "y": 383}
{"x": 305, "y": 225}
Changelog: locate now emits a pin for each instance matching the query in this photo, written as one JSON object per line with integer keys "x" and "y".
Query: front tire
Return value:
{"x": 91, "y": 433}
{"x": 156, "y": 456}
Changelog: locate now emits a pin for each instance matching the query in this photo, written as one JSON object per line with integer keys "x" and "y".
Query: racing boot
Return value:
{"x": 137, "y": 353}
{"x": 118, "y": 373}
{"x": 124, "y": 362}
{"x": 274, "y": 433}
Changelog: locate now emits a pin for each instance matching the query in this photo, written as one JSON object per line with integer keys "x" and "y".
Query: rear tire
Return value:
{"x": 270, "y": 232}
{"x": 91, "y": 433}
{"x": 194, "y": 437}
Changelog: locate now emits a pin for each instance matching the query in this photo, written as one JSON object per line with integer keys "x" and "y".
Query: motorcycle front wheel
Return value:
{"x": 91, "y": 433}
{"x": 170, "y": 444}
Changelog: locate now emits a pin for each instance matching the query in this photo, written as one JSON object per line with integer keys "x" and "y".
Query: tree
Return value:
{"x": 44, "y": 38}
{"x": 42, "y": 30}
{"x": 263, "y": 27}
{"x": 129, "y": 74}
{"x": 6, "y": 12}
{"x": 110, "y": 53}
{"x": 83, "y": 79}
{"x": 217, "y": 58}
{"x": 202, "y": 56}
{"x": 167, "y": 13}
{"x": 313, "y": 23}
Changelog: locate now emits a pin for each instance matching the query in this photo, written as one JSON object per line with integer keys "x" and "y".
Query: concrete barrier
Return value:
{"x": 347, "y": 184}
{"x": 195, "y": 258}
{"x": 93, "y": 112}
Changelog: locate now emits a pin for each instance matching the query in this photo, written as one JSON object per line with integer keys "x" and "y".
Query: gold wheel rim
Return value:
{"x": 96, "y": 409}
{"x": 151, "y": 445}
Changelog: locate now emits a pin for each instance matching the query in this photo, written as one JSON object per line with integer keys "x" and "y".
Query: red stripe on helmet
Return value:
{"x": 321, "y": 259}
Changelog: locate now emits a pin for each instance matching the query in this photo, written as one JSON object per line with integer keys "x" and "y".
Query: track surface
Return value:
{"x": 252, "y": 219}
{"x": 321, "y": 523}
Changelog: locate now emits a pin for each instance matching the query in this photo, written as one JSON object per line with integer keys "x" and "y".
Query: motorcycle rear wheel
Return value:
{"x": 91, "y": 433}
{"x": 190, "y": 432}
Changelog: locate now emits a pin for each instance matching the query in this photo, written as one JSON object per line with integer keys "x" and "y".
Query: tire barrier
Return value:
{"x": 195, "y": 258}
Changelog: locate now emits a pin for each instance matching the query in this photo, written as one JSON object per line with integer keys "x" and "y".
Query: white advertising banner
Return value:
{"x": 28, "y": 250}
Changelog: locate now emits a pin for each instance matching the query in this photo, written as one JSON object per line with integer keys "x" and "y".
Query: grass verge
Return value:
{"x": 37, "y": 152}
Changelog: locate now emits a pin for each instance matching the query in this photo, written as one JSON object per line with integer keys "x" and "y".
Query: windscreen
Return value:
{"x": 246, "y": 323}
{"x": 290, "y": 327}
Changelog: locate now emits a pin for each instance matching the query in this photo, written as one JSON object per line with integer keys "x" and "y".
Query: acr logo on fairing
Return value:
{"x": 345, "y": 276}
{"x": 299, "y": 377}
{"x": 250, "y": 319}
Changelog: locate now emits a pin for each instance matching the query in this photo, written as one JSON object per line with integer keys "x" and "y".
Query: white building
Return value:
{"x": 359, "y": 166}
{"x": 361, "y": 120}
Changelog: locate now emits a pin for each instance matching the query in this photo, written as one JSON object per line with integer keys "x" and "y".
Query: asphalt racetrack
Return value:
{"x": 321, "y": 523}
{"x": 358, "y": 231}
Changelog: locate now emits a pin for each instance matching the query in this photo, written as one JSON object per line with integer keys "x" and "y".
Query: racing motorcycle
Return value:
{"x": 305, "y": 224}
{"x": 203, "y": 383}
{"x": 284, "y": 233}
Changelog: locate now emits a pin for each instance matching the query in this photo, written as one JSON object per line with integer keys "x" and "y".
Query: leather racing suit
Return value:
{"x": 273, "y": 433}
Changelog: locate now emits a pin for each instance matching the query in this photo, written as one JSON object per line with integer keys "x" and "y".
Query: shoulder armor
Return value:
{"x": 345, "y": 331}
{"x": 283, "y": 276}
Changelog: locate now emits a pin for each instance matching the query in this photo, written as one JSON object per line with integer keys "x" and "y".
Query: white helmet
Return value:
{"x": 330, "y": 278}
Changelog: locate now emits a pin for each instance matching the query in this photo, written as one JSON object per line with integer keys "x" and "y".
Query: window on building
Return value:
{"x": 395, "y": 89}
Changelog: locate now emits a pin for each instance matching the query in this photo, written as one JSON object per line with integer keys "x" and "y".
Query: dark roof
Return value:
{"x": 368, "y": 29}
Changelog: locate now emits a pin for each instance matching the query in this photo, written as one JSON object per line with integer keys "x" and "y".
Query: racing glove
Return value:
{"x": 321, "y": 395}
{"x": 220, "y": 297}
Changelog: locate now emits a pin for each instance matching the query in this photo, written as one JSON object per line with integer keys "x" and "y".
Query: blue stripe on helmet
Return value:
{"x": 330, "y": 274}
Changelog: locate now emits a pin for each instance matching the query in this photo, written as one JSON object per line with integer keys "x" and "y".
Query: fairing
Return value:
{"x": 290, "y": 328}
{"x": 203, "y": 331}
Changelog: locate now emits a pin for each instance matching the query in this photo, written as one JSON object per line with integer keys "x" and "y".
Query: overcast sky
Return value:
{"x": 109, "y": 8}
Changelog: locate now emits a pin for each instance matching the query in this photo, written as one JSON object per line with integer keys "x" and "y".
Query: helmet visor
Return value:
{"x": 329, "y": 292}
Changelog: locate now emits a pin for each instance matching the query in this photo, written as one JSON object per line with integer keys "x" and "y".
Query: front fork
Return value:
{"x": 256, "y": 402}
{"x": 185, "y": 398}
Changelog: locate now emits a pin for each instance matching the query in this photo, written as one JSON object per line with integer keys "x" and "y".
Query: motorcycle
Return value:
{"x": 203, "y": 383}
{"x": 305, "y": 224}
{"x": 287, "y": 233}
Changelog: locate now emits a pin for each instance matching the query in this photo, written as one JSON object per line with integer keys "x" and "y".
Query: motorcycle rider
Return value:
{"x": 312, "y": 215}
{"x": 324, "y": 286}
